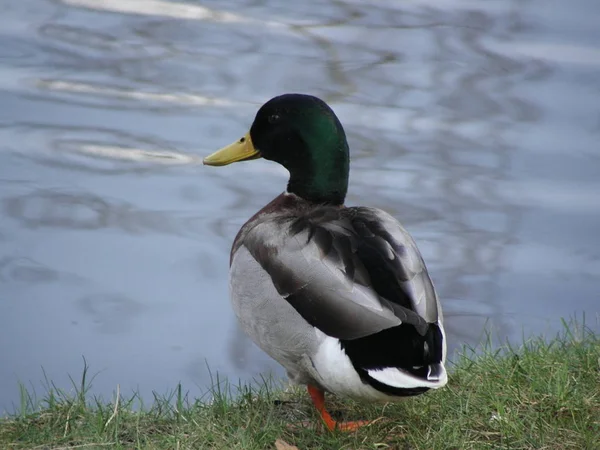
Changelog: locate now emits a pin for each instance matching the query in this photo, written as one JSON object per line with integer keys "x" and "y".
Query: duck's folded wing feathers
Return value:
{"x": 350, "y": 272}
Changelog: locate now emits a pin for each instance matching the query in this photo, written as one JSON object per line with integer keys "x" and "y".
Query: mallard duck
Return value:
{"x": 338, "y": 295}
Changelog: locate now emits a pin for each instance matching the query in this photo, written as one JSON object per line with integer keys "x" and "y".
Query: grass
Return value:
{"x": 542, "y": 395}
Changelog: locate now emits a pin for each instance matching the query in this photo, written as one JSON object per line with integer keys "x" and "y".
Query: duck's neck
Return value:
{"x": 322, "y": 178}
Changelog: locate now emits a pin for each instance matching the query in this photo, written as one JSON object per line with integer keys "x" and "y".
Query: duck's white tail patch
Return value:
{"x": 391, "y": 376}
{"x": 335, "y": 372}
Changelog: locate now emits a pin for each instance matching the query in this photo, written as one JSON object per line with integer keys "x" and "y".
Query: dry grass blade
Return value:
{"x": 282, "y": 445}
{"x": 116, "y": 409}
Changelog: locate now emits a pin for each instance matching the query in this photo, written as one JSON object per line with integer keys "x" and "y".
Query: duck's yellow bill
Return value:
{"x": 240, "y": 150}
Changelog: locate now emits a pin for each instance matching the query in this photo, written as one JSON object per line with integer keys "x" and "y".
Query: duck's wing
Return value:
{"x": 350, "y": 272}
{"x": 394, "y": 264}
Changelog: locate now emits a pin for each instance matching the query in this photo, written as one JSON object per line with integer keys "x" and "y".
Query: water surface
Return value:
{"x": 477, "y": 124}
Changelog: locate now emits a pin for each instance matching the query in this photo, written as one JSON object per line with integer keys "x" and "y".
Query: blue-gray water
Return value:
{"x": 477, "y": 124}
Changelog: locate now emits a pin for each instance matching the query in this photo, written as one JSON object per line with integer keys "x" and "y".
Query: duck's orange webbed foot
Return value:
{"x": 318, "y": 398}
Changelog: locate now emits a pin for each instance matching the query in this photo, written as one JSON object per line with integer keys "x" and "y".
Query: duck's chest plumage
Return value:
{"x": 340, "y": 297}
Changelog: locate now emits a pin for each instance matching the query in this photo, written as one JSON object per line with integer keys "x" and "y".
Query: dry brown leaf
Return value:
{"x": 282, "y": 445}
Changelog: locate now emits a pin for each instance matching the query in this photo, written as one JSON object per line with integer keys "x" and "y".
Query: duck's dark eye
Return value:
{"x": 274, "y": 118}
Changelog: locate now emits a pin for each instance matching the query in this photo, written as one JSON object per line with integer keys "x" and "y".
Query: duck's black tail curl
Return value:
{"x": 403, "y": 348}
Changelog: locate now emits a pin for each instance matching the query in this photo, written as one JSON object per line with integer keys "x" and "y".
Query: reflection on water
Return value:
{"x": 476, "y": 125}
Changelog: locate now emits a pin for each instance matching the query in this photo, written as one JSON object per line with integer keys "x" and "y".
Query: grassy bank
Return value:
{"x": 541, "y": 395}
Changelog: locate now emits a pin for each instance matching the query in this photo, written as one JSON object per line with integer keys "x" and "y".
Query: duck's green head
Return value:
{"x": 303, "y": 134}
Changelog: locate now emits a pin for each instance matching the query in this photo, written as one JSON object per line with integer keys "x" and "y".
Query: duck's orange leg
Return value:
{"x": 318, "y": 398}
